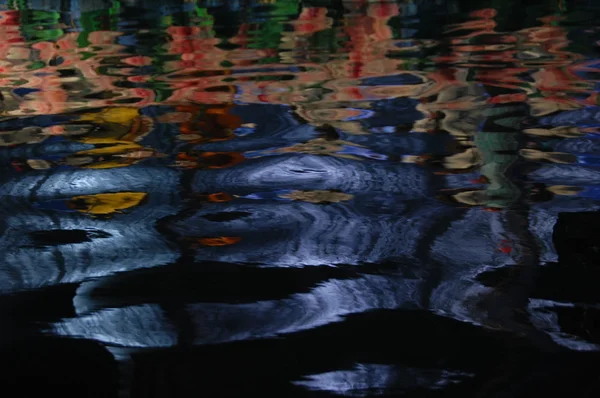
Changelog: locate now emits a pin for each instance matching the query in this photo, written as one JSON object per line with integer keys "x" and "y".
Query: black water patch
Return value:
{"x": 266, "y": 367}
{"x": 47, "y": 304}
{"x": 555, "y": 281}
{"x": 219, "y": 282}
{"x": 580, "y": 321}
{"x": 218, "y": 89}
{"x": 56, "y": 237}
{"x": 66, "y": 72}
{"x": 328, "y": 132}
{"x": 576, "y": 238}
{"x": 59, "y": 367}
{"x": 226, "y": 216}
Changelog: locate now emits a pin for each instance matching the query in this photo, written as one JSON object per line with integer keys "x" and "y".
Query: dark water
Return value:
{"x": 300, "y": 198}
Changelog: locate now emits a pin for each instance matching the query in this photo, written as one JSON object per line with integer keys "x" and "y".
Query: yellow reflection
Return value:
{"x": 107, "y": 203}
{"x": 119, "y": 115}
{"x": 112, "y": 146}
{"x": 107, "y": 165}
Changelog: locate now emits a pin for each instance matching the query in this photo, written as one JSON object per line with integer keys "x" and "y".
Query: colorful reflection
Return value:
{"x": 266, "y": 173}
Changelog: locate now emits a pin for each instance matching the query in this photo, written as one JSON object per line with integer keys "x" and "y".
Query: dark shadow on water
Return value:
{"x": 299, "y": 198}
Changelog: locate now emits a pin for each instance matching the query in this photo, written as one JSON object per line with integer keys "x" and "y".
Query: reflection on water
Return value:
{"x": 307, "y": 198}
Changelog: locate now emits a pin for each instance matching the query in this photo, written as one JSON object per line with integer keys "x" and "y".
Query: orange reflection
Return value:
{"x": 220, "y": 241}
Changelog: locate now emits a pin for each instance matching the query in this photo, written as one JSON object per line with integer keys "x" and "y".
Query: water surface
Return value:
{"x": 300, "y": 198}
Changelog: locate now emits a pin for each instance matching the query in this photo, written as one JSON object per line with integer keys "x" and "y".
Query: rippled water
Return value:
{"x": 300, "y": 198}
